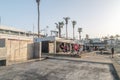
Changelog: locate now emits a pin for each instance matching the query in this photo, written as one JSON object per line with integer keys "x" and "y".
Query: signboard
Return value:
{"x": 51, "y": 38}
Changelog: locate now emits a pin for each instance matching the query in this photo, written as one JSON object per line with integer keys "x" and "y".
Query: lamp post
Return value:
{"x": 74, "y": 23}
{"x": 66, "y": 22}
{"x": 79, "y": 30}
{"x": 38, "y": 4}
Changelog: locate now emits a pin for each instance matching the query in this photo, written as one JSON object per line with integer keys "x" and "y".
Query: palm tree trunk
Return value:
{"x": 38, "y": 20}
{"x": 66, "y": 32}
{"x": 79, "y": 36}
{"x": 59, "y": 31}
{"x": 73, "y": 33}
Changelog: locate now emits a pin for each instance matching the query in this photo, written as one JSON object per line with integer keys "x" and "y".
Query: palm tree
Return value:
{"x": 74, "y": 23}
{"x": 117, "y": 38}
{"x": 39, "y": 47}
{"x": 59, "y": 25}
{"x": 38, "y": 3}
{"x": 87, "y": 36}
{"x": 79, "y": 30}
{"x": 105, "y": 41}
{"x": 106, "y": 37}
{"x": 66, "y": 22}
{"x": 111, "y": 38}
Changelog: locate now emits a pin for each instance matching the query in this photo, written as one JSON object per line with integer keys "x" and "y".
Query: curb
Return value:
{"x": 26, "y": 61}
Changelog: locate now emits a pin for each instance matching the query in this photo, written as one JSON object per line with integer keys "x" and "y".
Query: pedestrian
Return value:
{"x": 112, "y": 51}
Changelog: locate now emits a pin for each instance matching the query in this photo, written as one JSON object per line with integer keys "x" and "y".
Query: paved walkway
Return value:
{"x": 117, "y": 58}
{"x": 107, "y": 59}
{"x": 89, "y": 67}
{"x": 92, "y": 56}
{"x": 116, "y": 63}
{"x": 58, "y": 69}
{"x": 104, "y": 58}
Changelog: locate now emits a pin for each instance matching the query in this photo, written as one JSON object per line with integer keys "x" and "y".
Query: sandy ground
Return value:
{"x": 59, "y": 68}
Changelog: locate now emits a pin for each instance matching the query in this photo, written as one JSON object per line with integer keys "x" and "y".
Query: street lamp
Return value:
{"x": 66, "y": 22}
{"x": 79, "y": 30}
{"x": 74, "y": 23}
{"x": 38, "y": 3}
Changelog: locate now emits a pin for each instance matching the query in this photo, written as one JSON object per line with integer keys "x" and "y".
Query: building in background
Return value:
{"x": 7, "y": 32}
{"x": 15, "y": 45}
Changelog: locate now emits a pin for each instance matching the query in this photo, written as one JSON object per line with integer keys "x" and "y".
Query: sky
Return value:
{"x": 97, "y": 18}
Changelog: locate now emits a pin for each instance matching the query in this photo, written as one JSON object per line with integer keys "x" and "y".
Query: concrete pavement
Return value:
{"x": 89, "y": 67}
{"x": 116, "y": 63}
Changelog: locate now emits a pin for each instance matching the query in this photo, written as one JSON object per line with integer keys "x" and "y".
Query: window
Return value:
{"x": 2, "y": 43}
